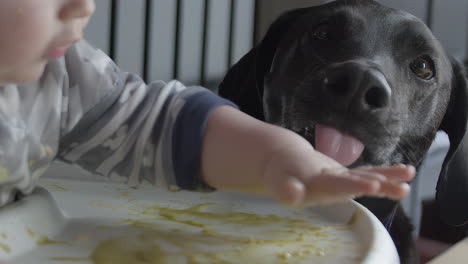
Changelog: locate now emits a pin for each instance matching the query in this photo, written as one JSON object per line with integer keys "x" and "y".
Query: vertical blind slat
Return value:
{"x": 146, "y": 42}
{"x": 162, "y": 40}
{"x": 243, "y": 29}
{"x": 217, "y": 44}
{"x": 190, "y": 45}
{"x": 98, "y": 30}
{"x": 130, "y": 35}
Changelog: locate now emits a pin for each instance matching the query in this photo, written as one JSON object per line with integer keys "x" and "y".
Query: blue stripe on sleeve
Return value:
{"x": 189, "y": 129}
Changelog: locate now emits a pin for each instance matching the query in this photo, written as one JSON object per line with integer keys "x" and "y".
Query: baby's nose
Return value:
{"x": 77, "y": 9}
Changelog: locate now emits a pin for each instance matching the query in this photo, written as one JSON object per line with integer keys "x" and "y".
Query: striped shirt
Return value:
{"x": 86, "y": 111}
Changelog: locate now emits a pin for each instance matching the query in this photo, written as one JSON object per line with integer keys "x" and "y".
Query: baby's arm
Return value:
{"x": 244, "y": 154}
{"x": 116, "y": 125}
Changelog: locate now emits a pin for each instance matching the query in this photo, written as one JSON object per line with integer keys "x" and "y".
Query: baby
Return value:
{"x": 63, "y": 99}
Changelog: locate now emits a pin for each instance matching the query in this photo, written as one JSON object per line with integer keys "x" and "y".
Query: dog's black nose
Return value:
{"x": 358, "y": 87}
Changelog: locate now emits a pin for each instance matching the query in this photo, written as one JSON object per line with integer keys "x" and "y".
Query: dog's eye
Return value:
{"x": 321, "y": 32}
{"x": 423, "y": 67}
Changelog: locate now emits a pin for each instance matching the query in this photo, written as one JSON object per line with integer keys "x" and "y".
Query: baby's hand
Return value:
{"x": 243, "y": 154}
{"x": 307, "y": 177}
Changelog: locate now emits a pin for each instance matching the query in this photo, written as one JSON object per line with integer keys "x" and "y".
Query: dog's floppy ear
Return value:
{"x": 243, "y": 84}
{"x": 452, "y": 186}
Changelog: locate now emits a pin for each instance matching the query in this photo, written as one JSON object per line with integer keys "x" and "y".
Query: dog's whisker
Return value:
{"x": 406, "y": 154}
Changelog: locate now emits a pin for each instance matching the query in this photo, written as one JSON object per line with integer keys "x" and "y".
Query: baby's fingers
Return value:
{"x": 390, "y": 180}
{"x": 355, "y": 183}
{"x": 348, "y": 181}
{"x": 331, "y": 186}
{"x": 336, "y": 188}
{"x": 394, "y": 190}
{"x": 400, "y": 172}
{"x": 341, "y": 184}
{"x": 393, "y": 185}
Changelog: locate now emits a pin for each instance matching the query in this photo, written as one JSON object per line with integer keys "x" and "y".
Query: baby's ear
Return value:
{"x": 452, "y": 186}
{"x": 243, "y": 84}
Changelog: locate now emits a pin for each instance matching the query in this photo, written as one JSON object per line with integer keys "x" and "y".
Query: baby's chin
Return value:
{"x": 24, "y": 75}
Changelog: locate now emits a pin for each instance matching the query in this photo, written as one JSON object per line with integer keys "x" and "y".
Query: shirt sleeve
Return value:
{"x": 116, "y": 125}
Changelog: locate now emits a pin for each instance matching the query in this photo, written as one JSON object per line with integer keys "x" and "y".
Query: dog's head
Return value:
{"x": 366, "y": 84}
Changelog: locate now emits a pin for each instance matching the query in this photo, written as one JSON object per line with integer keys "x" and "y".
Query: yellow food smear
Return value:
{"x": 353, "y": 219}
{"x": 4, "y": 235}
{"x": 31, "y": 163}
{"x": 195, "y": 236}
{"x": 122, "y": 195}
{"x": 43, "y": 240}
{"x": 104, "y": 205}
{"x": 30, "y": 232}
{"x": 4, "y": 174}
{"x": 5, "y": 248}
{"x": 82, "y": 238}
{"x": 47, "y": 150}
{"x": 56, "y": 187}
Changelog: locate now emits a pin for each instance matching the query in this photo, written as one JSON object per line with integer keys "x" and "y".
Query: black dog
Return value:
{"x": 363, "y": 73}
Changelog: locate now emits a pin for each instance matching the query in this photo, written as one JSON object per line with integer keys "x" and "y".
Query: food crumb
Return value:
{"x": 5, "y": 248}
{"x": 30, "y": 232}
{"x": 285, "y": 255}
{"x": 81, "y": 238}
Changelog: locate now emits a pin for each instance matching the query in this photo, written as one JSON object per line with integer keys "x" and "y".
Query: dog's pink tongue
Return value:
{"x": 339, "y": 146}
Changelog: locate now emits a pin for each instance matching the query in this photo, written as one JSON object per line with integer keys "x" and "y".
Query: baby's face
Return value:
{"x": 34, "y": 31}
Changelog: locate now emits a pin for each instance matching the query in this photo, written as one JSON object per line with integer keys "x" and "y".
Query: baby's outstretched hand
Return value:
{"x": 243, "y": 154}
{"x": 299, "y": 182}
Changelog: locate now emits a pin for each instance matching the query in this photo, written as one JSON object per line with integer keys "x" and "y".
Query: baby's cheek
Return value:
{"x": 25, "y": 51}
{"x": 20, "y": 67}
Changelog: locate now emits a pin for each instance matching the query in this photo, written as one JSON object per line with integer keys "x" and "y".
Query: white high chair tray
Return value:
{"x": 68, "y": 221}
